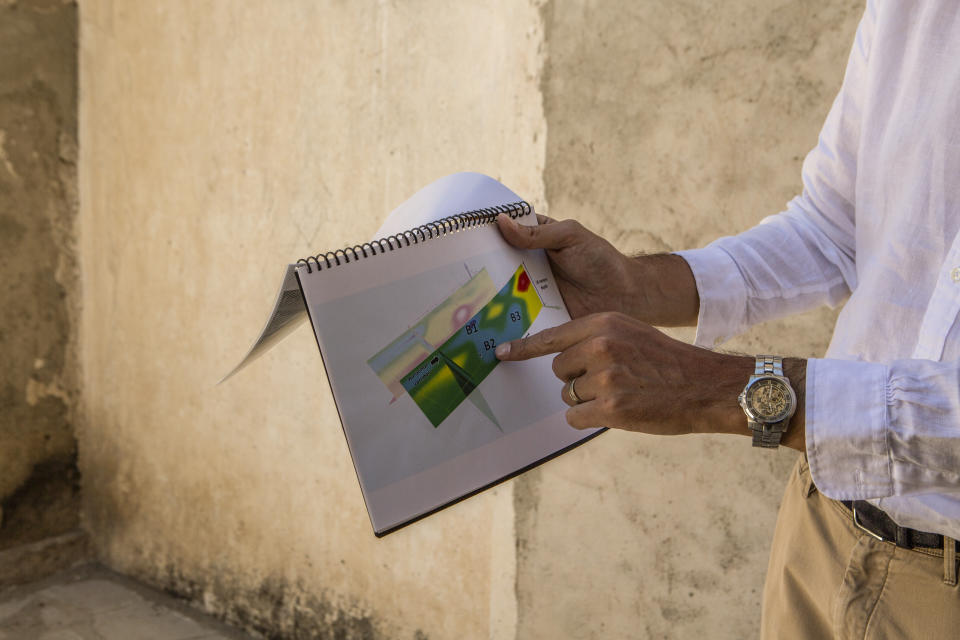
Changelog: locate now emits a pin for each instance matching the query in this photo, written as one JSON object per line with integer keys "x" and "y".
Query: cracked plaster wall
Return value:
{"x": 38, "y": 279}
{"x": 221, "y": 140}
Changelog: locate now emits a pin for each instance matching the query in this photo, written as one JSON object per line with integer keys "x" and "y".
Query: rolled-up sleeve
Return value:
{"x": 785, "y": 265}
{"x": 878, "y": 430}
{"x": 723, "y": 295}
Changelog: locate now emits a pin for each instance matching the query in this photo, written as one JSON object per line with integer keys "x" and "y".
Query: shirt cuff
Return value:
{"x": 723, "y": 295}
{"x": 846, "y": 427}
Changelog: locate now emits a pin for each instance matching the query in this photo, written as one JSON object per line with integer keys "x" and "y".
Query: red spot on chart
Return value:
{"x": 523, "y": 282}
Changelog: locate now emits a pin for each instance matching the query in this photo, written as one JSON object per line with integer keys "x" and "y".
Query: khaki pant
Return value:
{"x": 828, "y": 579}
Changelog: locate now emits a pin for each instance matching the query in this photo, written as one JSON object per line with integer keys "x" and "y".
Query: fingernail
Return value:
{"x": 503, "y": 350}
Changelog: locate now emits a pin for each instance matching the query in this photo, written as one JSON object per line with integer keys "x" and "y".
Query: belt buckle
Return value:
{"x": 856, "y": 521}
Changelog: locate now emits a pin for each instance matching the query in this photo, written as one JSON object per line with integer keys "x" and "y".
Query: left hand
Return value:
{"x": 631, "y": 376}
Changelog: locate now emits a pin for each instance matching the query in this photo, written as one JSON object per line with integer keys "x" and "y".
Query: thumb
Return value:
{"x": 543, "y": 236}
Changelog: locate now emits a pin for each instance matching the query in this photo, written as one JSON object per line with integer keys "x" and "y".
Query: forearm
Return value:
{"x": 665, "y": 292}
{"x": 722, "y": 414}
{"x": 667, "y": 296}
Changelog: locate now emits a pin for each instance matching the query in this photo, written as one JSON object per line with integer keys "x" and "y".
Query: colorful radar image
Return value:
{"x": 442, "y": 358}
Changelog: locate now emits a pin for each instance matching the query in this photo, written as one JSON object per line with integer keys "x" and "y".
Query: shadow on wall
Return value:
{"x": 39, "y": 482}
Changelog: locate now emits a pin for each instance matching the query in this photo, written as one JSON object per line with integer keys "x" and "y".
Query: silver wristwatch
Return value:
{"x": 769, "y": 402}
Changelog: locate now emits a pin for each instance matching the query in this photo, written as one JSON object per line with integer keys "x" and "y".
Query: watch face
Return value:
{"x": 769, "y": 400}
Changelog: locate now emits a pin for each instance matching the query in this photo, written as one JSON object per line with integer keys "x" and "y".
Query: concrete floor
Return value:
{"x": 92, "y": 603}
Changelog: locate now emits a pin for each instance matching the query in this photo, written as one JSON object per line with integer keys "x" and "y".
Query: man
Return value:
{"x": 865, "y": 540}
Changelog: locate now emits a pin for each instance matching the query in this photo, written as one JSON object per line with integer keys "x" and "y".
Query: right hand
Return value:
{"x": 592, "y": 274}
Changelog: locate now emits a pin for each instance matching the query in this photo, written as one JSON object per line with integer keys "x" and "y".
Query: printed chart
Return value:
{"x": 412, "y": 347}
{"x": 440, "y": 369}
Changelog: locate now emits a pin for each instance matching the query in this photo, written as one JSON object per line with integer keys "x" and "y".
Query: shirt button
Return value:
{"x": 955, "y": 274}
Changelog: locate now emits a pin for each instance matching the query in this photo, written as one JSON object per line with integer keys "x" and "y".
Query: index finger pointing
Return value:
{"x": 552, "y": 340}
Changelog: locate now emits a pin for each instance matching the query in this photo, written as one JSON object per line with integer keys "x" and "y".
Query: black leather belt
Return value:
{"x": 879, "y": 525}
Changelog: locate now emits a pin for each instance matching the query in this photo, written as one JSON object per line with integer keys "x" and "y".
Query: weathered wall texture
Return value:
{"x": 668, "y": 125}
{"x": 220, "y": 140}
{"x": 38, "y": 293}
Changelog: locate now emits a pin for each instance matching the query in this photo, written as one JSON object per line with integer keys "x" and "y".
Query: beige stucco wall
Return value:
{"x": 219, "y": 140}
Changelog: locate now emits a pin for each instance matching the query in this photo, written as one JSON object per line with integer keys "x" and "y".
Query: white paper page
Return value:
{"x": 450, "y": 195}
{"x": 288, "y": 314}
{"x": 407, "y": 466}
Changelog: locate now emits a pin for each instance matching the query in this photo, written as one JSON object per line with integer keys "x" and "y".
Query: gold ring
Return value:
{"x": 572, "y": 391}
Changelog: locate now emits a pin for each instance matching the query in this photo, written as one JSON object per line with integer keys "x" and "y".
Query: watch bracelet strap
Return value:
{"x": 766, "y": 439}
{"x": 769, "y": 365}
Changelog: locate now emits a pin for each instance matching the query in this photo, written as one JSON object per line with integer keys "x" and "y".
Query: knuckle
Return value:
{"x": 569, "y": 229}
{"x": 615, "y": 405}
{"x": 621, "y": 375}
{"x": 603, "y": 346}
{"x": 603, "y": 322}
{"x": 612, "y": 319}
{"x": 528, "y": 234}
{"x": 606, "y": 379}
{"x": 547, "y": 340}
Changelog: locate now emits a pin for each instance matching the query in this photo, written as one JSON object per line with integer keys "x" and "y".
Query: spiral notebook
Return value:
{"x": 407, "y": 325}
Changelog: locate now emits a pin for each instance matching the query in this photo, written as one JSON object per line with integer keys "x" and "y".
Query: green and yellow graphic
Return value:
{"x": 414, "y": 345}
{"x": 451, "y": 373}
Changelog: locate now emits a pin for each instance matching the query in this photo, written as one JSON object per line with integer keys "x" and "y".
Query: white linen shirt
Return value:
{"x": 876, "y": 225}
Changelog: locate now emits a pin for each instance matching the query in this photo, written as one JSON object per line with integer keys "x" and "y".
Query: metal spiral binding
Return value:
{"x": 417, "y": 235}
